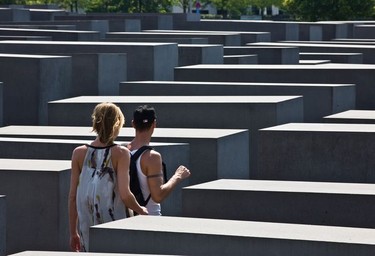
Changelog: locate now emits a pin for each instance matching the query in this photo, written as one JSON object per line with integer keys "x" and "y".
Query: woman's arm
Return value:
{"x": 152, "y": 164}
{"x": 123, "y": 180}
{"x": 76, "y": 167}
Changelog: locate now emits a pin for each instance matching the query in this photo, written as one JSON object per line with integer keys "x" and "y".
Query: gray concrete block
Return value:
{"x": 30, "y": 81}
{"x": 324, "y": 30}
{"x": 3, "y": 221}
{"x": 317, "y": 152}
{"x": 330, "y": 47}
{"x": 153, "y": 61}
{"x": 102, "y": 26}
{"x": 352, "y": 116}
{"x": 130, "y": 25}
{"x": 33, "y": 38}
{"x": 98, "y": 73}
{"x": 246, "y": 36}
{"x": 28, "y": 25}
{"x": 364, "y": 31}
{"x": 314, "y": 62}
{"x": 174, "y": 154}
{"x": 354, "y": 58}
{"x": 279, "y": 30}
{"x": 37, "y": 195}
{"x": 45, "y": 14}
{"x": 333, "y": 98}
{"x": 51, "y": 253}
{"x": 178, "y": 40}
{"x": 223, "y": 112}
{"x": 147, "y": 20}
{"x": 198, "y": 236}
{"x": 315, "y": 203}
{"x": 56, "y": 35}
{"x": 224, "y": 38}
{"x": 360, "y": 75}
{"x": 214, "y": 153}
{"x": 10, "y": 14}
{"x": 310, "y": 31}
{"x": 192, "y": 54}
{"x": 267, "y": 55}
{"x": 241, "y": 59}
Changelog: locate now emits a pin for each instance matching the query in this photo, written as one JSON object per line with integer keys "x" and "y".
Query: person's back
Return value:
{"x": 153, "y": 207}
{"x": 99, "y": 186}
{"x": 150, "y": 168}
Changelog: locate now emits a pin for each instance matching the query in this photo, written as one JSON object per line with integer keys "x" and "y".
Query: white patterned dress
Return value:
{"x": 98, "y": 199}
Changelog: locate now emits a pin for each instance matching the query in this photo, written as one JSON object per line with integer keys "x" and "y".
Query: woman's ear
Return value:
{"x": 133, "y": 124}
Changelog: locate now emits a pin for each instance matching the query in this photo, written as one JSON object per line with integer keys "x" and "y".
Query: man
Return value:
{"x": 149, "y": 164}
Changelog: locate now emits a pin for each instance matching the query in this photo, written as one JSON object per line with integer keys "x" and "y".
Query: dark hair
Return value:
{"x": 143, "y": 117}
{"x": 107, "y": 120}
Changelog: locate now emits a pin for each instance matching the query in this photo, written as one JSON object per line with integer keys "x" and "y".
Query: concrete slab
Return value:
{"x": 324, "y": 30}
{"x": 174, "y": 154}
{"x": 178, "y": 40}
{"x": 352, "y": 116}
{"x": 333, "y": 98}
{"x": 31, "y": 81}
{"x": 364, "y": 31}
{"x": 45, "y": 14}
{"x": 98, "y": 73}
{"x": 316, "y": 46}
{"x": 147, "y": 20}
{"x": 214, "y": 153}
{"x": 197, "y": 236}
{"x": 354, "y": 58}
{"x": 218, "y": 112}
{"x": 37, "y": 194}
{"x": 267, "y": 55}
{"x": 316, "y": 203}
{"x": 241, "y": 59}
{"x": 51, "y": 253}
{"x": 360, "y": 75}
{"x": 3, "y": 221}
{"x": 213, "y": 38}
{"x": 313, "y": 62}
{"x": 102, "y": 26}
{"x": 56, "y": 35}
{"x": 246, "y": 36}
{"x": 154, "y": 61}
{"x": 32, "y": 38}
{"x": 317, "y": 152}
{"x": 279, "y": 30}
{"x": 192, "y": 54}
{"x": 11, "y": 14}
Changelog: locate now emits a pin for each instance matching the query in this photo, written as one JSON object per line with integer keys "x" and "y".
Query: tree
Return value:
{"x": 320, "y": 10}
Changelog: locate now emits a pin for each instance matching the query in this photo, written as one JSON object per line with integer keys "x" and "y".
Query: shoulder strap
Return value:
{"x": 139, "y": 152}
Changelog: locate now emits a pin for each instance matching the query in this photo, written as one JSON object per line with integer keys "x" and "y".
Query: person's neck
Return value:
{"x": 98, "y": 143}
{"x": 139, "y": 140}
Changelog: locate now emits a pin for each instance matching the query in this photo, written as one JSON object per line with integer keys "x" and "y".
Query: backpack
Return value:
{"x": 135, "y": 187}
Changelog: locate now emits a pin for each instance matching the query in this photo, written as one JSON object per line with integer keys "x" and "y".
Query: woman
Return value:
{"x": 99, "y": 185}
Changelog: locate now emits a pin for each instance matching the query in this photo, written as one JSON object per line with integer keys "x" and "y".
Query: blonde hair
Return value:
{"x": 107, "y": 120}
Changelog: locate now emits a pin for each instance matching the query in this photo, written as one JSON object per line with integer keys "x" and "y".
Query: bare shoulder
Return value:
{"x": 152, "y": 156}
{"x": 79, "y": 152}
{"x": 120, "y": 151}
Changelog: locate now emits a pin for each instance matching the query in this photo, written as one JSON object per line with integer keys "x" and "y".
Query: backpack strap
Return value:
{"x": 135, "y": 156}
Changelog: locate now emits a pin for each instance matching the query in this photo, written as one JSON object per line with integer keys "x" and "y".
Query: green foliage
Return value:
{"x": 235, "y": 8}
{"x": 320, "y": 10}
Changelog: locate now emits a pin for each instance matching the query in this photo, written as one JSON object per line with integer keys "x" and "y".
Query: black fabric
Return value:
{"x": 134, "y": 181}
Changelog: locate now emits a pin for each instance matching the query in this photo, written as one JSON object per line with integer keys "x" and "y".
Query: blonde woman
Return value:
{"x": 99, "y": 185}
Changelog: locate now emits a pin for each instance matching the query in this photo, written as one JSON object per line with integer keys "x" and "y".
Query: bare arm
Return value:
{"x": 76, "y": 166}
{"x": 123, "y": 181}
{"x": 153, "y": 167}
